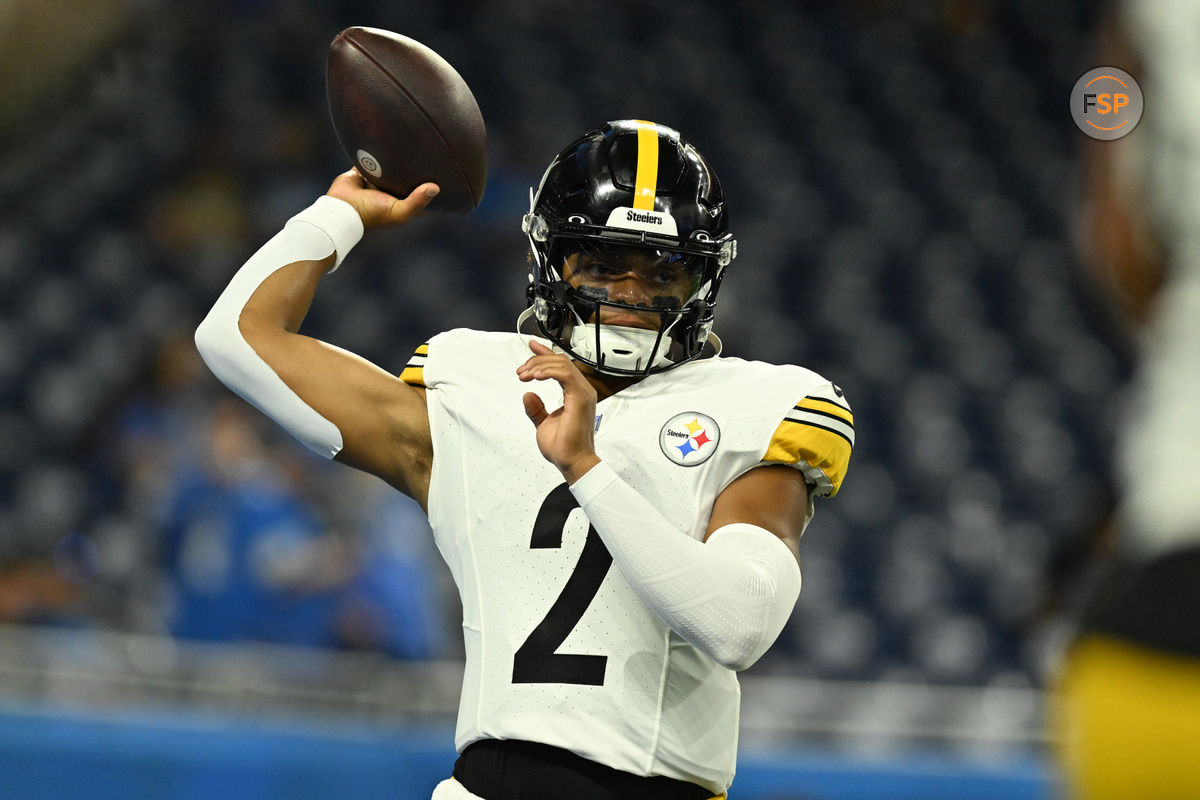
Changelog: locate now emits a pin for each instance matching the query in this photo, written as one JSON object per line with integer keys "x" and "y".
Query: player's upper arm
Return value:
{"x": 772, "y": 497}
{"x": 807, "y": 456}
{"x": 383, "y": 421}
{"x": 337, "y": 403}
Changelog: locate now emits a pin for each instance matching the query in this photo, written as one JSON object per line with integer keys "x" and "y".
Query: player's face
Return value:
{"x": 635, "y": 276}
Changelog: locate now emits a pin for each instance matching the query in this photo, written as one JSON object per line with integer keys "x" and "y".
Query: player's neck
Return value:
{"x": 607, "y": 385}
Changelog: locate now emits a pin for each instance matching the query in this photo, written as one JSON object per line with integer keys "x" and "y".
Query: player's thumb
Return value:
{"x": 419, "y": 198}
{"x": 535, "y": 409}
{"x": 392, "y": 210}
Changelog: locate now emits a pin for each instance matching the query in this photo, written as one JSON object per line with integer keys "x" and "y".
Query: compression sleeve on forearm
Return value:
{"x": 729, "y": 596}
{"x": 328, "y": 226}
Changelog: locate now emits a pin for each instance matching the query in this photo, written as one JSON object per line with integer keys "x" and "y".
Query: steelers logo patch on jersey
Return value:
{"x": 689, "y": 438}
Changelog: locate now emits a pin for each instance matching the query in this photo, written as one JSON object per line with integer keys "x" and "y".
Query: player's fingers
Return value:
{"x": 540, "y": 361}
{"x": 574, "y": 385}
{"x": 539, "y": 348}
{"x": 535, "y": 409}
{"x": 556, "y": 368}
{"x": 363, "y": 181}
{"x": 401, "y": 211}
{"x": 351, "y": 178}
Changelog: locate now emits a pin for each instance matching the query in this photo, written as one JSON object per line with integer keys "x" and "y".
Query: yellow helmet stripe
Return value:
{"x": 647, "y": 166}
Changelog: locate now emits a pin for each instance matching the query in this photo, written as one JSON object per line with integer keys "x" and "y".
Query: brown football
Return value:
{"x": 405, "y": 116}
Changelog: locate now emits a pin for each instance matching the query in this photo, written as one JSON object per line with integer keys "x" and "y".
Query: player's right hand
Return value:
{"x": 564, "y": 436}
{"x": 380, "y": 209}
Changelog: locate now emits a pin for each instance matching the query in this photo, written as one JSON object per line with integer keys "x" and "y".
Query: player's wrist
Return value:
{"x": 338, "y": 220}
{"x": 580, "y": 468}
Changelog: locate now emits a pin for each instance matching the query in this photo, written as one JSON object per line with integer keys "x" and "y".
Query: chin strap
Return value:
{"x": 621, "y": 347}
{"x": 584, "y": 345}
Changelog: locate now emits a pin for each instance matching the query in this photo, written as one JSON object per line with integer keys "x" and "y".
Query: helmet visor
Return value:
{"x": 664, "y": 278}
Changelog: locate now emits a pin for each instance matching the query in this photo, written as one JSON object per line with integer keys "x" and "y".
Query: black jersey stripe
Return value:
{"x": 822, "y": 427}
{"x": 834, "y": 403}
{"x": 842, "y": 420}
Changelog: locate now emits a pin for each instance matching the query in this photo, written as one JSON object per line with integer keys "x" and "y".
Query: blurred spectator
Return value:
{"x": 400, "y": 601}
{"x": 247, "y": 555}
{"x": 238, "y": 536}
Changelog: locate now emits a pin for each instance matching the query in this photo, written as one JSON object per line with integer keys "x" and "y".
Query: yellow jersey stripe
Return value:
{"x": 647, "y": 166}
{"x": 414, "y": 376}
{"x": 806, "y": 444}
{"x": 820, "y": 406}
{"x": 414, "y": 371}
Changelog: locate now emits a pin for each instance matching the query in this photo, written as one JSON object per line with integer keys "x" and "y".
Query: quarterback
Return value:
{"x": 618, "y": 504}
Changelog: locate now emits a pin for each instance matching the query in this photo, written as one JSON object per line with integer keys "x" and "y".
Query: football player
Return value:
{"x": 618, "y": 504}
{"x": 1124, "y": 697}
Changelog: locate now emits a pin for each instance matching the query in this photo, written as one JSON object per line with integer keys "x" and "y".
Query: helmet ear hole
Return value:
{"x": 555, "y": 311}
{"x": 688, "y": 335}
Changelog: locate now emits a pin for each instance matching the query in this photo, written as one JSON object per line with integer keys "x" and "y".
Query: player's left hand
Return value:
{"x": 565, "y": 435}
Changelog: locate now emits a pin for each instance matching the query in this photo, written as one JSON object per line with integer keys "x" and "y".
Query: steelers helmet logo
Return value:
{"x": 689, "y": 438}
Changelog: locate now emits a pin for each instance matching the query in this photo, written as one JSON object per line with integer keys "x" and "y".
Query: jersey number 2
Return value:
{"x": 536, "y": 661}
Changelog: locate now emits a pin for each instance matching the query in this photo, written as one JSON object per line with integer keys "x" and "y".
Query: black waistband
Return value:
{"x": 517, "y": 770}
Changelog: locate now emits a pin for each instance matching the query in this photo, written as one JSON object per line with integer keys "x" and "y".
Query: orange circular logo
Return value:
{"x": 1106, "y": 103}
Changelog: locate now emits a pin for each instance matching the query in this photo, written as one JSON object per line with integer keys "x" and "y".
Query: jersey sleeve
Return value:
{"x": 816, "y": 437}
{"x": 414, "y": 370}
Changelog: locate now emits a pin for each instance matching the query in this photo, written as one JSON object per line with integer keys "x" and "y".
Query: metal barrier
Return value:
{"x": 95, "y": 715}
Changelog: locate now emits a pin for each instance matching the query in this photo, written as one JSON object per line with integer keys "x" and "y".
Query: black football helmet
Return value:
{"x": 628, "y": 184}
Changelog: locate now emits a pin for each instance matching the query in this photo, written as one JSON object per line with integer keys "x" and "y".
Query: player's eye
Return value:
{"x": 602, "y": 268}
{"x": 668, "y": 275}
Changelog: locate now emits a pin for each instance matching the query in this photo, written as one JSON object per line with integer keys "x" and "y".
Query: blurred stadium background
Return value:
{"x": 192, "y": 604}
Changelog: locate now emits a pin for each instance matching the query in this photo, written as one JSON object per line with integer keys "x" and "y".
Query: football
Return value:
{"x": 404, "y": 116}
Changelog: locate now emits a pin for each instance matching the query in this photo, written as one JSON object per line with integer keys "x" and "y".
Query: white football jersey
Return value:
{"x": 559, "y": 649}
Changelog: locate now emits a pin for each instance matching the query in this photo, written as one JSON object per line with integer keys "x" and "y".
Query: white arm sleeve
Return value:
{"x": 327, "y": 226}
{"x": 729, "y": 596}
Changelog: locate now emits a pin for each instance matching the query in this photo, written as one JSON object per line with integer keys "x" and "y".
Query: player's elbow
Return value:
{"x": 224, "y": 348}
{"x": 208, "y": 339}
{"x": 754, "y": 616}
{"x": 214, "y": 341}
{"x": 740, "y": 654}
{"x": 743, "y": 649}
